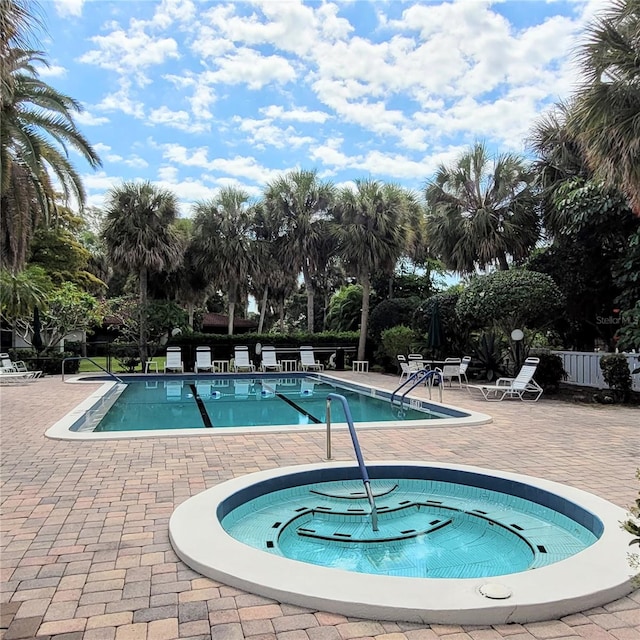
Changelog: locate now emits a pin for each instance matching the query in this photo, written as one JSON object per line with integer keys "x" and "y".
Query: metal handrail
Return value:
{"x": 417, "y": 378}
{"x": 93, "y": 362}
{"x": 356, "y": 447}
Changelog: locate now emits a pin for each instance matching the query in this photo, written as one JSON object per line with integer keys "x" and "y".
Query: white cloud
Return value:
{"x": 89, "y": 120}
{"x": 130, "y": 53}
{"x": 177, "y": 119}
{"x": 262, "y": 134}
{"x": 276, "y": 112}
{"x": 52, "y": 71}
{"x": 69, "y": 7}
{"x": 246, "y": 66}
{"x": 121, "y": 101}
{"x": 239, "y": 166}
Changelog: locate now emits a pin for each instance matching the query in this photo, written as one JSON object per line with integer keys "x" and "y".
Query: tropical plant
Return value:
{"x": 139, "y": 236}
{"x": 481, "y": 212}
{"x": 605, "y": 111}
{"x": 302, "y": 204}
{"x": 37, "y": 130}
{"x": 344, "y": 309}
{"x": 372, "y": 232}
{"x": 224, "y": 243}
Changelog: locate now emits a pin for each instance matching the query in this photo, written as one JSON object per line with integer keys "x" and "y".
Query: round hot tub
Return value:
{"x": 450, "y": 544}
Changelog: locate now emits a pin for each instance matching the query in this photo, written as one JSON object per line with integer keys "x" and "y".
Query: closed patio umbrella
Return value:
{"x": 435, "y": 335}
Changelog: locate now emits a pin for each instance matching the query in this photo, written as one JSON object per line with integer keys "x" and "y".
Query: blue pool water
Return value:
{"x": 427, "y": 528}
{"x": 215, "y": 402}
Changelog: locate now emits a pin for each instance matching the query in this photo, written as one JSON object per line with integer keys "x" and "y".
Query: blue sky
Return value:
{"x": 198, "y": 95}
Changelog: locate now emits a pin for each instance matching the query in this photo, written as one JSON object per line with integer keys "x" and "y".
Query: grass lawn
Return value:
{"x": 87, "y": 366}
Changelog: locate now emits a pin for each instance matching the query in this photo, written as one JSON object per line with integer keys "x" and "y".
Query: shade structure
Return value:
{"x": 36, "y": 340}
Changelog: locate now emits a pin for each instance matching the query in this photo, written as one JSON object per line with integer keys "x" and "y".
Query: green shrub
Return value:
{"x": 455, "y": 333}
{"x": 49, "y": 362}
{"x": 397, "y": 340}
{"x": 616, "y": 373}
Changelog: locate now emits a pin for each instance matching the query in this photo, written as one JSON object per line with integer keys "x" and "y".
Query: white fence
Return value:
{"x": 583, "y": 368}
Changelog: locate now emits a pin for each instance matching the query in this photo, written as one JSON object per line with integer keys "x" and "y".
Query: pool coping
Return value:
{"x": 597, "y": 575}
{"x": 63, "y": 429}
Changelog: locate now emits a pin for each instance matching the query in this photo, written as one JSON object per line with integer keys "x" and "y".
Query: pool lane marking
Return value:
{"x": 290, "y": 402}
{"x": 203, "y": 410}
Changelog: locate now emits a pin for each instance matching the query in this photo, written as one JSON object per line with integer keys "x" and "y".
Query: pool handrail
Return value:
{"x": 420, "y": 376}
{"x": 113, "y": 375}
{"x": 356, "y": 447}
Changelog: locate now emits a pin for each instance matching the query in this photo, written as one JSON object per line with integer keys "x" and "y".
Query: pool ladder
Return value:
{"x": 420, "y": 376}
{"x": 356, "y": 447}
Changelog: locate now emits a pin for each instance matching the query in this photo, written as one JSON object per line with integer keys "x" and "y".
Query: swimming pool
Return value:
{"x": 141, "y": 406}
{"x": 557, "y": 570}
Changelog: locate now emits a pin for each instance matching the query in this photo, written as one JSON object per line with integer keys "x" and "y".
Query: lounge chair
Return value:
{"x": 173, "y": 360}
{"x": 308, "y": 360}
{"x": 203, "y": 360}
{"x": 464, "y": 365}
{"x": 269, "y": 361}
{"x": 241, "y": 360}
{"x": 451, "y": 370}
{"x": 16, "y": 366}
{"x": 10, "y": 377}
{"x": 516, "y": 387}
{"x": 405, "y": 371}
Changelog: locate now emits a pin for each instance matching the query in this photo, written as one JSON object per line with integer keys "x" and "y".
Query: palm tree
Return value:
{"x": 605, "y": 114}
{"x": 224, "y": 242}
{"x": 139, "y": 236}
{"x": 482, "y": 212}
{"x": 302, "y": 202}
{"x": 371, "y": 225}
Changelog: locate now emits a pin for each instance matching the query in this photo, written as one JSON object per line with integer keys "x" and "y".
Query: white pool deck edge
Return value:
{"x": 62, "y": 429}
{"x": 595, "y": 576}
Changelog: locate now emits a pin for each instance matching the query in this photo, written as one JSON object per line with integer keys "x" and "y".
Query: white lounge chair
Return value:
{"x": 173, "y": 360}
{"x": 405, "y": 371}
{"x": 7, "y": 365}
{"x": 269, "y": 361}
{"x": 308, "y": 360}
{"x": 203, "y": 360}
{"x": 451, "y": 370}
{"x": 464, "y": 365}
{"x": 516, "y": 387}
{"x": 241, "y": 360}
{"x": 12, "y": 377}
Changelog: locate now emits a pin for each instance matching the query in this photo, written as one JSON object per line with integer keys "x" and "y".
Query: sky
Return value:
{"x": 195, "y": 96}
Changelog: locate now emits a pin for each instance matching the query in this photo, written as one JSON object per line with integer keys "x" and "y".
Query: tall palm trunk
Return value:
{"x": 232, "y": 307}
{"x": 364, "y": 316}
{"x": 502, "y": 262}
{"x": 144, "y": 276}
{"x": 310, "y": 298}
{"x": 263, "y": 308}
{"x": 281, "y": 315}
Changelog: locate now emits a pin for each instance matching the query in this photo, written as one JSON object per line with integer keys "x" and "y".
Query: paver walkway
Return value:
{"x": 85, "y": 547}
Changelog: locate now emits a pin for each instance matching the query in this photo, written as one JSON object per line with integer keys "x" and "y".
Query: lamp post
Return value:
{"x": 517, "y": 336}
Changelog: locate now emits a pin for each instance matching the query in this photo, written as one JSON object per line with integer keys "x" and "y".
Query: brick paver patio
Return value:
{"x": 85, "y": 547}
